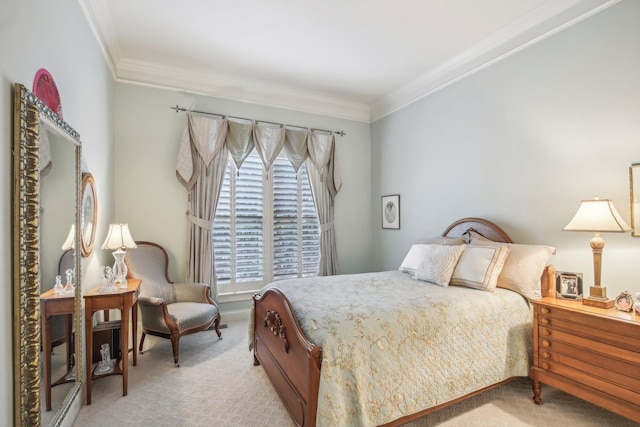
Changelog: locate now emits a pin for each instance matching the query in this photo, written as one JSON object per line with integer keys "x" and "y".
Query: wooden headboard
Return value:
{"x": 492, "y": 232}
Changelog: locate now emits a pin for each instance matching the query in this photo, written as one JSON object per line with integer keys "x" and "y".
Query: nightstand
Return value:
{"x": 592, "y": 353}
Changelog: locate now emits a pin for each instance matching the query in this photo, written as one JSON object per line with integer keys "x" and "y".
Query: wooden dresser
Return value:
{"x": 589, "y": 352}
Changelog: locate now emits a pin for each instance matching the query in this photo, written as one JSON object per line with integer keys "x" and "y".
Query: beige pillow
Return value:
{"x": 416, "y": 252}
{"x": 442, "y": 240}
{"x": 438, "y": 263}
{"x": 479, "y": 267}
{"x": 523, "y": 267}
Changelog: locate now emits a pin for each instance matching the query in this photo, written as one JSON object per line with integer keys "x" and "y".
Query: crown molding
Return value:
{"x": 546, "y": 20}
{"x": 225, "y": 86}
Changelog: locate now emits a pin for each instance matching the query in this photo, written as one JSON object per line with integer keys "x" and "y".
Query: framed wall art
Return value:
{"x": 568, "y": 285}
{"x": 391, "y": 211}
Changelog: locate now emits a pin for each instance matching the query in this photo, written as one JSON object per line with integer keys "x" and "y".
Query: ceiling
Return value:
{"x": 353, "y": 59}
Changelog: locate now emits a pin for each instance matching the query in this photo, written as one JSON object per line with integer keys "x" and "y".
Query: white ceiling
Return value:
{"x": 353, "y": 59}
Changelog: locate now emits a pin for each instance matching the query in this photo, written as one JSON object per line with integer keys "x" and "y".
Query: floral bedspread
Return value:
{"x": 393, "y": 345}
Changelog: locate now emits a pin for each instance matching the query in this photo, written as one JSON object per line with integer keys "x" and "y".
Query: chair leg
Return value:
{"x": 141, "y": 342}
{"x": 175, "y": 345}
{"x": 217, "y": 326}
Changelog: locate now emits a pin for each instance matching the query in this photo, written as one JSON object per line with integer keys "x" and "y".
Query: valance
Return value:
{"x": 205, "y": 136}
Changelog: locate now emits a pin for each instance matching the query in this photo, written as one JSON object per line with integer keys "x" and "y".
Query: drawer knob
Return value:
{"x": 545, "y": 365}
{"x": 546, "y": 354}
{"x": 546, "y": 343}
{"x": 545, "y": 310}
{"x": 545, "y": 321}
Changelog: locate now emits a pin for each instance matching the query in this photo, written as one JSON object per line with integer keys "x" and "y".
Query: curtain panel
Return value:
{"x": 202, "y": 157}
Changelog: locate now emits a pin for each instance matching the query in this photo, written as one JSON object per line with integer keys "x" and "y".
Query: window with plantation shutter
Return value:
{"x": 266, "y": 226}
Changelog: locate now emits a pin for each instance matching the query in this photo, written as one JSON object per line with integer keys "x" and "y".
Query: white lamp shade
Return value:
{"x": 70, "y": 242}
{"x": 598, "y": 215}
{"x": 119, "y": 237}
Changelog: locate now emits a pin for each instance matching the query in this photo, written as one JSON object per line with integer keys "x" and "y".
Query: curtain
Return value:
{"x": 325, "y": 184}
{"x": 202, "y": 160}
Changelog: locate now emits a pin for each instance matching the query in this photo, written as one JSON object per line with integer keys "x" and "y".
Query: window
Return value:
{"x": 266, "y": 226}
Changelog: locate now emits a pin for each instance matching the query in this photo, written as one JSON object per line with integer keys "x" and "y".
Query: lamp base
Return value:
{"x": 597, "y": 297}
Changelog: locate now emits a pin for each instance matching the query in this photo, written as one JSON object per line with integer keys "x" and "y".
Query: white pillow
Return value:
{"x": 479, "y": 267}
{"x": 438, "y": 263}
{"x": 523, "y": 267}
{"x": 416, "y": 252}
{"x": 442, "y": 240}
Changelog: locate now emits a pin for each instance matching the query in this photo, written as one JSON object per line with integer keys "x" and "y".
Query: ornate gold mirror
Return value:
{"x": 634, "y": 184}
{"x": 46, "y": 187}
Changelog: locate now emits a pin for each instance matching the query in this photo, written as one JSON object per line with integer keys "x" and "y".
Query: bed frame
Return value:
{"x": 293, "y": 363}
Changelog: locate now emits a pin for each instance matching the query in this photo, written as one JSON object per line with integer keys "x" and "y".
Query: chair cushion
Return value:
{"x": 192, "y": 314}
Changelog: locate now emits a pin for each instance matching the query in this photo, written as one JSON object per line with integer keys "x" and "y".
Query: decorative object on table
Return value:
{"x": 391, "y": 211}
{"x": 106, "y": 364}
{"x": 636, "y": 304}
{"x": 597, "y": 216}
{"x": 119, "y": 240}
{"x": 88, "y": 213}
{"x": 107, "y": 281}
{"x": 568, "y": 285}
{"x": 69, "y": 288}
{"x": 58, "y": 288}
{"x": 624, "y": 302}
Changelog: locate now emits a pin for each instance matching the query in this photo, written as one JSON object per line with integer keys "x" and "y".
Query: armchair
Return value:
{"x": 167, "y": 309}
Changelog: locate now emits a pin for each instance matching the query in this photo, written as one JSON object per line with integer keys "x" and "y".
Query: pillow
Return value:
{"x": 523, "y": 267}
{"x": 438, "y": 263}
{"x": 479, "y": 267}
{"x": 442, "y": 240}
{"x": 416, "y": 252}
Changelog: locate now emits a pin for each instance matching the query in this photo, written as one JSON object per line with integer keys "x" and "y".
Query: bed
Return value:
{"x": 391, "y": 348}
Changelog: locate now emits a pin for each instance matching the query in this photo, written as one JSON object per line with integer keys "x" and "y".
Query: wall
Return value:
{"x": 153, "y": 202}
{"x": 521, "y": 143}
{"x": 55, "y": 36}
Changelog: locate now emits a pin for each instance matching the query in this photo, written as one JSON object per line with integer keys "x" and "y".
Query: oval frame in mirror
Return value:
{"x": 89, "y": 213}
{"x": 29, "y": 114}
{"x": 634, "y": 187}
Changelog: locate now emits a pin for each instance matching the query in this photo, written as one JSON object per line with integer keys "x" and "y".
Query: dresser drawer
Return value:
{"x": 599, "y": 329}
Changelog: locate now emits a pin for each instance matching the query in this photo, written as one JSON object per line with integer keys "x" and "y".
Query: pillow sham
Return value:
{"x": 416, "y": 252}
{"x": 442, "y": 240}
{"x": 523, "y": 267}
{"x": 438, "y": 263}
{"x": 479, "y": 267}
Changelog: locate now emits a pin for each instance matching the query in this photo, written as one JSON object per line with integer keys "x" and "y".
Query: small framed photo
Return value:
{"x": 624, "y": 302}
{"x": 391, "y": 211}
{"x": 568, "y": 285}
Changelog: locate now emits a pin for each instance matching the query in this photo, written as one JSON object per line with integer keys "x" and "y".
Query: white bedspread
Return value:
{"x": 393, "y": 345}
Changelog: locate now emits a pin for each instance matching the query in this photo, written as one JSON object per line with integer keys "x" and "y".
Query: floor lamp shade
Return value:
{"x": 597, "y": 216}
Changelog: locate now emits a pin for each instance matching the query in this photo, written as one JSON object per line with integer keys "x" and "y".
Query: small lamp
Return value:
{"x": 119, "y": 239}
{"x": 70, "y": 242}
{"x": 598, "y": 215}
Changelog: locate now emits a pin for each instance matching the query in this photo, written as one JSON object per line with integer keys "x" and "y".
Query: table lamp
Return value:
{"x": 597, "y": 216}
{"x": 70, "y": 242}
{"x": 119, "y": 239}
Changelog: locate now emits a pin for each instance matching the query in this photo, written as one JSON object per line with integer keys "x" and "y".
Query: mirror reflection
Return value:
{"x": 634, "y": 181}
{"x": 57, "y": 257}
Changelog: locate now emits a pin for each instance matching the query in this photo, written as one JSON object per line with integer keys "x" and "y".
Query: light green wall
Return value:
{"x": 55, "y": 36}
{"x": 521, "y": 143}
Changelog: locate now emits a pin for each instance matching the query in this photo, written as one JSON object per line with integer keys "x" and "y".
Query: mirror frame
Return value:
{"x": 29, "y": 111}
{"x": 88, "y": 195}
{"x": 635, "y": 224}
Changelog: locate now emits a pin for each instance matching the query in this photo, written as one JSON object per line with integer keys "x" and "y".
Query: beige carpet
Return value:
{"x": 217, "y": 385}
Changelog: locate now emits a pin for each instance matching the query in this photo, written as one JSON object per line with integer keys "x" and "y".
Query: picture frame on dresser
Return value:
{"x": 569, "y": 285}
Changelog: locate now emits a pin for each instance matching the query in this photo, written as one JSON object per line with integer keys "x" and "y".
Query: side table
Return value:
{"x": 52, "y": 305}
{"x": 125, "y": 300}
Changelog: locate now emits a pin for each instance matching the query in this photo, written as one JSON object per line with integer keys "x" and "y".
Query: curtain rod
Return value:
{"x": 179, "y": 109}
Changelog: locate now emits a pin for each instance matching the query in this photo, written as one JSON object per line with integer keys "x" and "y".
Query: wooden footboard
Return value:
{"x": 291, "y": 362}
